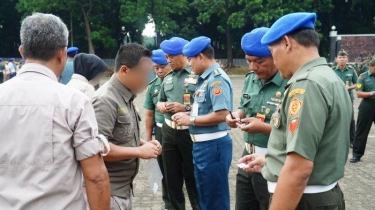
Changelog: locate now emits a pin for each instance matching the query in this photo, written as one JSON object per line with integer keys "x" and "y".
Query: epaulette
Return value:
{"x": 251, "y": 72}
{"x": 171, "y": 71}
{"x": 350, "y": 66}
{"x": 217, "y": 72}
{"x": 152, "y": 81}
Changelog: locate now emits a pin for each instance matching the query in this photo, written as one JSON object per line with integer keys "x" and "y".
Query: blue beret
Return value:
{"x": 158, "y": 57}
{"x": 11, "y": 59}
{"x": 250, "y": 43}
{"x": 72, "y": 50}
{"x": 173, "y": 46}
{"x": 1, "y": 59}
{"x": 196, "y": 46}
{"x": 287, "y": 24}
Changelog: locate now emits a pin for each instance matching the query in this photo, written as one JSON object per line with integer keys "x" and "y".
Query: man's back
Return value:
{"x": 46, "y": 129}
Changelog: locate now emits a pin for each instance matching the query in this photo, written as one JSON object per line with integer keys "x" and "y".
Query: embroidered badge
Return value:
{"x": 293, "y": 125}
{"x": 359, "y": 85}
{"x": 218, "y": 82}
{"x": 278, "y": 94}
{"x": 297, "y": 91}
{"x": 217, "y": 91}
{"x": 295, "y": 107}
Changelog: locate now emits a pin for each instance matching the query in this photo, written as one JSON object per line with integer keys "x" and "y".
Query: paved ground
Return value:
{"x": 358, "y": 184}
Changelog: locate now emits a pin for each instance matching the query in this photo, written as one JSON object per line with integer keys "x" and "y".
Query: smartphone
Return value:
{"x": 238, "y": 121}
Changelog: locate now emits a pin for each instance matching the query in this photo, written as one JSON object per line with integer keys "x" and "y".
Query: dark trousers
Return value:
{"x": 251, "y": 190}
{"x": 165, "y": 195}
{"x": 178, "y": 166}
{"x": 212, "y": 160}
{"x": 366, "y": 117}
{"x": 352, "y": 127}
{"x": 332, "y": 199}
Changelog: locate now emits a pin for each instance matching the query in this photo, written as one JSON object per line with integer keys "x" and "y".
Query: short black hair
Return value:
{"x": 209, "y": 52}
{"x": 306, "y": 37}
{"x": 130, "y": 55}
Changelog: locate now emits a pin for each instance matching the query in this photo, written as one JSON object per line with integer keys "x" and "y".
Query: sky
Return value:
{"x": 149, "y": 30}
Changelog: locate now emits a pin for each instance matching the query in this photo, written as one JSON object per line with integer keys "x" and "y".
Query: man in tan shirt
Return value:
{"x": 118, "y": 120}
{"x": 49, "y": 131}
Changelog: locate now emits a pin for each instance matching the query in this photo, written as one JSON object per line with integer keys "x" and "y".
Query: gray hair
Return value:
{"x": 42, "y": 35}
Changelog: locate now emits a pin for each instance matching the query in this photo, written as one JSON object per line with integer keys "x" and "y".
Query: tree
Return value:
{"x": 159, "y": 11}
{"x": 85, "y": 8}
{"x": 225, "y": 12}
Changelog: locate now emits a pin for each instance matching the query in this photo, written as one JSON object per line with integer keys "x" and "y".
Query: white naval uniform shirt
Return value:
{"x": 80, "y": 83}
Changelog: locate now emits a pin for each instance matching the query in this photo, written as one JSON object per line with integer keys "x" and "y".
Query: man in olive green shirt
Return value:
{"x": 261, "y": 94}
{"x": 118, "y": 121}
{"x": 307, "y": 149}
{"x": 176, "y": 95}
{"x": 366, "y": 111}
{"x": 349, "y": 76}
{"x": 152, "y": 115}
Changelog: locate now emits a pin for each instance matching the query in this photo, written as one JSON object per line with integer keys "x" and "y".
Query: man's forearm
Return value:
{"x": 291, "y": 183}
{"x": 98, "y": 193}
{"x": 211, "y": 119}
{"x": 118, "y": 153}
{"x": 361, "y": 94}
{"x": 149, "y": 124}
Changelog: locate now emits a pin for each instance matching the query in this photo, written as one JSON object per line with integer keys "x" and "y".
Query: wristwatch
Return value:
{"x": 188, "y": 108}
{"x": 192, "y": 120}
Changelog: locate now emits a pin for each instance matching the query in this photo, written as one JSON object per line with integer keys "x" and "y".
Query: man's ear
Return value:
{"x": 201, "y": 57}
{"x": 287, "y": 43}
{"x": 61, "y": 55}
{"x": 21, "y": 51}
{"x": 124, "y": 69}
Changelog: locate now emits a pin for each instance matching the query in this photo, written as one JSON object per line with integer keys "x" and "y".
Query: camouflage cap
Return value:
{"x": 342, "y": 52}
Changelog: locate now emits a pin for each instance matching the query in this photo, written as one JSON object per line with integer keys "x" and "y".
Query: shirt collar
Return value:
{"x": 209, "y": 70}
{"x": 124, "y": 91}
{"x": 187, "y": 69}
{"x": 80, "y": 77}
{"x": 38, "y": 68}
{"x": 369, "y": 73}
{"x": 307, "y": 67}
{"x": 277, "y": 80}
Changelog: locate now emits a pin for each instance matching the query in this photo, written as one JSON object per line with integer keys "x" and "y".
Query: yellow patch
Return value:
{"x": 297, "y": 91}
{"x": 122, "y": 111}
{"x": 295, "y": 107}
{"x": 215, "y": 83}
{"x": 359, "y": 85}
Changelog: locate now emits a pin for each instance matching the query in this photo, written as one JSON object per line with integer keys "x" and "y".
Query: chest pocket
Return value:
{"x": 191, "y": 88}
{"x": 124, "y": 129}
{"x": 168, "y": 87}
{"x": 155, "y": 95}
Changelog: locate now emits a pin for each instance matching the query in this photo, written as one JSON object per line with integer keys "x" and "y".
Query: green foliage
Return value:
{"x": 224, "y": 21}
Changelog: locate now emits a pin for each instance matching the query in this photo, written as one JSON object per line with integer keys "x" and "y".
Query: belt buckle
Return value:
{"x": 193, "y": 138}
{"x": 250, "y": 148}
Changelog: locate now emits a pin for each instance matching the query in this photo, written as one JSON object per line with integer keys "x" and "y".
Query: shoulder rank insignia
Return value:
{"x": 216, "y": 72}
{"x": 152, "y": 81}
{"x": 251, "y": 72}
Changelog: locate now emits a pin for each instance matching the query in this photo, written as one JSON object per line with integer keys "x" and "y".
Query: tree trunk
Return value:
{"x": 87, "y": 27}
{"x": 229, "y": 63}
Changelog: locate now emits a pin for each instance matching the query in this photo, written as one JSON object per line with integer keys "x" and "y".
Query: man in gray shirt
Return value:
{"x": 49, "y": 134}
{"x": 118, "y": 120}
